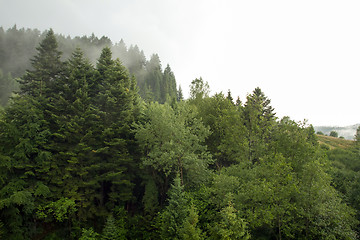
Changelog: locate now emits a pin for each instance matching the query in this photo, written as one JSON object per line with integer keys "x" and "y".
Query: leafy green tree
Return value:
{"x": 231, "y": 226}
{"x": 334, "y": 134}
{"x": 324, "y": 215}
{"x": 199, "y": 89}
{"x": 172, "y": 140}
{"x": 226, "y": 142}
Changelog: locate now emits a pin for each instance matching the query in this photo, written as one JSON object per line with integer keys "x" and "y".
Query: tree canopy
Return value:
{"x": 90, "y": 151}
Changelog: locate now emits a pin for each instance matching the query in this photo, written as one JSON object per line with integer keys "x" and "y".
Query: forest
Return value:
{"x": 18, "y": 46}
{"x": 94, "y": 150}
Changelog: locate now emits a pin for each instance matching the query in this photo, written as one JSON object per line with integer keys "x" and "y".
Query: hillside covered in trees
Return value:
{"x": 83, "y": 156}
{"x": 18, "y": 46}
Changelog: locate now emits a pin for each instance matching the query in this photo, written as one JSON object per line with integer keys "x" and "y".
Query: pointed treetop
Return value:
{"x": 105, "y": 60}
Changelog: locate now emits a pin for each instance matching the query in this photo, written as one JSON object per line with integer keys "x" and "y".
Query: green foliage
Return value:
{"x": 259, "y": 120}
{"x": 334, "y": 134}
{"x": 8, "y": 85}
{"x": 89, "y": 234}
{"x": 112, "y": 230}
{"x": 227, "y": 140}
{"x": 231, "y": 226}
{"x": 175, "y": 213}
{"x": 79, "y": 150}
{"x": 357, "y": 135}
{"x": 17, "y": 46}
{"x": 190, "y": 230}
{"x": 60, "y": 210}
{"x": 172, "y": 140}
{"x": 199, "y": 89}
{"x": 47, "y": 67}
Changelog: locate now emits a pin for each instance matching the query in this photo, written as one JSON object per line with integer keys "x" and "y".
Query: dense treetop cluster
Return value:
{"x": 84, "y": 155}
{"x": 17, "y": 46}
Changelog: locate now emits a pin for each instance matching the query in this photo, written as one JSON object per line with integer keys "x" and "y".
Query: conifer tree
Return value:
{"x": 74, "y": 118}
{"x": 190, "y": 230}
{"x": 47, "y": 68}
{"x": 112, "y": 231}
{"x": 116, "y": 102}
{"x": 7, "y": 86}
{"x": 180, "y": 95}
{"x": 168, "y": 88}
{"x": 259, "y": 119}
{"x": 154, "y": 79}
{"x": 175, "y": 213}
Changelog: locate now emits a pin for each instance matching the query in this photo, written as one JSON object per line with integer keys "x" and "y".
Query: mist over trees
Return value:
{"x": 84, "y": 156}
{"x": 18, "y": 46}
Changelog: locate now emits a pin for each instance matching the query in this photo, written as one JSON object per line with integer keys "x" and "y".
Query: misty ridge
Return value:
{"x": 18, "y": 47}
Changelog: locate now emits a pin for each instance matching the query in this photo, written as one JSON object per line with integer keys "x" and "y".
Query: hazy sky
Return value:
{"x": 305, "y": 54}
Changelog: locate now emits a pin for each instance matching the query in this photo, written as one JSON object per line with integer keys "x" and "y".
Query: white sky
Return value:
{"x": 305, "y": 54}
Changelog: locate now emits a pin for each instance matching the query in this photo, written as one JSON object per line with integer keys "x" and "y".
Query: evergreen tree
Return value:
{"x": 47, "y": 68}
{"x": 259, "y": 119}
{"x": 116, "y": 102}
{"x": 180, "y": 96}
{"x": 190, "y": 230}
{"x": 168, "y": 89}
{"x": 7, "y": 86}
{"x": 154, "y": 79}
{"x": 229, "y": 97}
{"x": 71, "y": 142}
{"x": 88, "y": 234}
{"x": 112, "y": 231}
{"x": 175, "y": 213}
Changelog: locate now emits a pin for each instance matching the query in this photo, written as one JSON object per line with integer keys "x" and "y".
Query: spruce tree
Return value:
{"x": 116, "y": 101}
{"x": 259, "y": 119}
{"x": 46, "y": 68}
{"x": 112, "y": 230}
{"x": 154, "y": 78}
{"x": 175, "y": 213}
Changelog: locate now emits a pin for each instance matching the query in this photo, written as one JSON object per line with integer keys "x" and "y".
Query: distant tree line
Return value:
{"x": 83, "y": 156}
{"x": 17, "y": 46}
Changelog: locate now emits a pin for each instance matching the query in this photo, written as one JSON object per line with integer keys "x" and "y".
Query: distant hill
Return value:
{"x": 333, "y": 142}
{"x": 347, "y": 132}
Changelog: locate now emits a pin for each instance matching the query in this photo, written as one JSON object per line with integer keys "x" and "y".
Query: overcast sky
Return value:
{"x": 305, "y": 54}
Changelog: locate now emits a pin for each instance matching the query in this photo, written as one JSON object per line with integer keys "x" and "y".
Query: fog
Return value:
{"x": 303, "y": 55}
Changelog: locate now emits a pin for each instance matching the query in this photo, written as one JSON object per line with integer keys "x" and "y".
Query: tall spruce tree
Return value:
{"x": 46, "y": 68}
{"x": 259, "y": 119}
{"x": 175, "y": 213}
{"x": 26, "y": 131}
{"x": 116, "y": 101}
